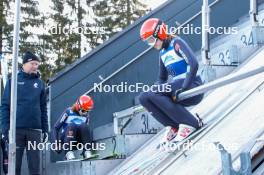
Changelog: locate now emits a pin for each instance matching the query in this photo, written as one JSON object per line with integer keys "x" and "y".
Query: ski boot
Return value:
{"x": 172, "y": 133}
{"x": 70, "y": 155}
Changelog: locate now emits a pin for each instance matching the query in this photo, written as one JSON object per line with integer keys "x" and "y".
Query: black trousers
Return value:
{"x": 77, "y": 134}
{"x": 23, "y": 136}
{"x": 168, "y": 112}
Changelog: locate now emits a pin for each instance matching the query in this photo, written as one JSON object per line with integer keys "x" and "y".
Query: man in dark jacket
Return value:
{"x": 31, "y": 116}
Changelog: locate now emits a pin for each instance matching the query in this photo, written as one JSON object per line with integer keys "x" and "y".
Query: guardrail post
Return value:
{"x": 227, "y": 167}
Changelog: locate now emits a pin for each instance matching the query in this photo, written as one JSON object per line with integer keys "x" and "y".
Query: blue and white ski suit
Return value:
{"x": 178, "y": 61}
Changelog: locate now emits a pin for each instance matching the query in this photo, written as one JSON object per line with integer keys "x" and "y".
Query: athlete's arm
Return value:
{"x": 163, "y": 74}
{"x": 186, "y": 52}
{"x": 59, "y": 124}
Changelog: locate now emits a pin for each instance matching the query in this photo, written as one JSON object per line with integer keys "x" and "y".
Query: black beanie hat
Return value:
{"x": 29, "y": 56}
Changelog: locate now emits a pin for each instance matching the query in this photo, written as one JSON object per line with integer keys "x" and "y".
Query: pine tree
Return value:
{"x": 85, "y": 35}
{"x": 5, "y": 33}
{"x": 65, "y": 41}
{"x": 5, "y": 27}
{"x": 69, "y": 46}
{"x": 29, "y": 26}
{"x": 115, "y": 15}
{"x": 45, "y": 51}
{"x": 78, "y": 12}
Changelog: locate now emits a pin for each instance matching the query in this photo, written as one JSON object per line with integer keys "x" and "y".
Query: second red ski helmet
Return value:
{"x": 153, "y": 27}
{"x": 84, "y": 103}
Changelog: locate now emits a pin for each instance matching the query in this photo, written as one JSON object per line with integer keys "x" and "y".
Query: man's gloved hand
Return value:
{"x": 4, "y": 146}
{"x": 45, "y": 137}
{"x": 176, "y": 95}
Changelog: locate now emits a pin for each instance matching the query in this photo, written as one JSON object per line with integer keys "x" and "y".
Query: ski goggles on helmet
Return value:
{"x": 84, "y": 112}
{"x": 151, "y": 41}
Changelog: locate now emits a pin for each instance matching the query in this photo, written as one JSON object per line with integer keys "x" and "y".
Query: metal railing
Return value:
{"x": 206, "y": 24}
{"x": 246, "y": 159}
{"x": 220, "y": 82}
{"x": 253, "y": 12}
{"x": 205, "y": 33}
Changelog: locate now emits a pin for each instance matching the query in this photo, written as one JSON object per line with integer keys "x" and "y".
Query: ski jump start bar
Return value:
{"x": 190, "y": 93}
{"x": 218, "y": 83}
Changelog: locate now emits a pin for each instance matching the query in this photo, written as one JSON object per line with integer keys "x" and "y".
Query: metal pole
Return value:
{"x": 205, "y": 34}
{"x": 253, "y": 12}
{"x": 218, "y": 83}
{"x": 12, "y": 130}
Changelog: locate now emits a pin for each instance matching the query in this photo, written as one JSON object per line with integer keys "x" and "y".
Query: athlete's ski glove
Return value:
{"x": 175, "y": 97}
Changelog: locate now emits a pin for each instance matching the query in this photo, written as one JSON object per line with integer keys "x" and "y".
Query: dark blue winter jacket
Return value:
{"x": 31, "y": 103}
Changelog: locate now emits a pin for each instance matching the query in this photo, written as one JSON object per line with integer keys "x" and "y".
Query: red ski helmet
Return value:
{"x": 153, "y": 28}
{"x": 84, "y": 103}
